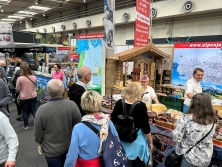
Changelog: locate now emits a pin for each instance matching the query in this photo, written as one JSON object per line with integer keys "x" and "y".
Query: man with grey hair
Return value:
{"x": 76, "y": 90}
{"x": 54, "y": 122}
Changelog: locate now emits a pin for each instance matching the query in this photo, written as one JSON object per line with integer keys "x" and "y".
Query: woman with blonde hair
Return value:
{"x": 138, "y": 150}
{"x": 85, "y": 147}
{"x": 26, "y": 86}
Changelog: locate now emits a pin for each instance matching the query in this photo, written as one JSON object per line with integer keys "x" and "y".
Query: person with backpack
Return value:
{"x": 131, "y": 120}
{"x": 86, "y": 147}
{"x": 10, "y": 71}
{"x": 14, "y": 78}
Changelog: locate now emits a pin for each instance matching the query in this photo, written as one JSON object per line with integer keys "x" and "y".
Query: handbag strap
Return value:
{"x": 131, "y": 108}
{"x": 201, "y": 139}
{"x": 31, "y": 81}
{"x": 90, "y": 126}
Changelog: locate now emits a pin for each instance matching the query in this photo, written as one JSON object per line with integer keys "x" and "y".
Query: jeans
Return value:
{"x": 185, "y": 163}
{"x": 56, "y": 161}
{"x": 137, "y": 163}
{"x": 13, "y": 93}
{"x": 185, "y": 108}
{"x": 26, "y": 105}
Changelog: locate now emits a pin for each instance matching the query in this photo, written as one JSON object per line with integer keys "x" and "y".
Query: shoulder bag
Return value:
{"x": 174, "y": 160}
{"x": 31, "y": 81}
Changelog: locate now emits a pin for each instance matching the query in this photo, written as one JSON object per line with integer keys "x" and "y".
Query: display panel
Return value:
{"x": 205, "y": 55}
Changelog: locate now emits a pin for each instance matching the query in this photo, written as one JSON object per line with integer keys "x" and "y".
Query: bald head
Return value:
{"x": 84, "y": 74}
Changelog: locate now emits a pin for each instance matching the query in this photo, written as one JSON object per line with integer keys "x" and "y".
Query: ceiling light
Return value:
{"x": 31, "y": 18}
{"x": 16, "y": 17}
{"x": 43, "y": 14}
{"x": 27, "y": 12}
{"x": 9, "y": 1}
{"x": 0, "y": 6}
{"x": 39, "y": 8}
{"x": 20, "y": 22}
{"x": 5, "y": 22}
{"x": 8, "y": 19}
{"x": 3, "y": 0}
{"x": 84, "y": 1}
{"x": 22, "y": 15}
{"x": 2, "y": 10}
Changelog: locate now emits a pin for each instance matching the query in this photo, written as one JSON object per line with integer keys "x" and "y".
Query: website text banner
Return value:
{"x": 108, "y": 22}
{"x": 199, "y": 45}
{"x": 205, "y": 55}
{"x": 6, "y": 35}
{"x": 90, "y": 36}
{"x": 142, "y": 23}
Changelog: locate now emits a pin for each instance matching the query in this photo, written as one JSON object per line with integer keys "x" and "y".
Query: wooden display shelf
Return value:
{"x": 164, "y": 125}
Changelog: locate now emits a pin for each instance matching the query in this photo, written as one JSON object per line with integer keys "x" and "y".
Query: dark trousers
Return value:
{"x": 137, "y": 163}
{"x": 19, "y": 110}
{"x": 56, "y": 161}
{"x": 26, "y": 105}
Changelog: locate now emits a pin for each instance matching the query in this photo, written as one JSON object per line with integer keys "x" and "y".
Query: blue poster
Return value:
{"x": 42, "y": 93}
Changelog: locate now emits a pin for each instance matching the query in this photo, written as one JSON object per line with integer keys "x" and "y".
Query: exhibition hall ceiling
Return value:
{"x": 18, "y": 10}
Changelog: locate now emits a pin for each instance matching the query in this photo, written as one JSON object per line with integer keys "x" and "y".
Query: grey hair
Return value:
{"x": 55, "y": 88}
{"x": 82, "y": 72}
{"x": 91, "y": 101}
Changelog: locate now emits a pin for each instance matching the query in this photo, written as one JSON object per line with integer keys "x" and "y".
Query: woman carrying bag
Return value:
{"x": 194, "y": 132}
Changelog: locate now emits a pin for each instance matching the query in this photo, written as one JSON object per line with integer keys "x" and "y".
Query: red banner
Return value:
{"x": 90, "y": 36}
{"x": 199, "y": 45}
{"x": 64, "y": 48}
{"x": 142, "y": 24}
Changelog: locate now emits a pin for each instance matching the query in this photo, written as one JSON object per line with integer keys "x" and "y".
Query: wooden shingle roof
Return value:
{"x": 150, "y": 49}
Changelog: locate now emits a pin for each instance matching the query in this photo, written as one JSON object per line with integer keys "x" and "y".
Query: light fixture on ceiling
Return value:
{"x": 84, "y": 1}
{"x": 27, "y": 12}
{"x": 39, "y": 8}
{"x": 15, "y": 17}
{"x": 37, "y": 2}
{"x": 8, "y": 19}
{"x": 0, "y": 6}
{"x": 43, "y": 14}
{"x": 20, "y": 21}
{"x": 8, "y": 1}
{"x": 2, "y": 10}
{"x": 31, "y": 18}
{"x": 3, "y": 0}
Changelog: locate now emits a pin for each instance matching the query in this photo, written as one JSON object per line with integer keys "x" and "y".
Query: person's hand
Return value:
{"x": 151, "y": 146}
{"x": 10, "y": 164}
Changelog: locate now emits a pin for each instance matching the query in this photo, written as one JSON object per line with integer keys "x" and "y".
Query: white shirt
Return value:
{"x": 148, "y": 95}
{"x": 192, "y": 86}
{"x": 82, "y": 84}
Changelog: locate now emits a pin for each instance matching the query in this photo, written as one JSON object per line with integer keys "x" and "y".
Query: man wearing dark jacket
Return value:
{"x": 76, "y": 90}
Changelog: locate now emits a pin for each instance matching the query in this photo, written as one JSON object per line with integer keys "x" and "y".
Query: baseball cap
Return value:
{"x": 144, "y": 78}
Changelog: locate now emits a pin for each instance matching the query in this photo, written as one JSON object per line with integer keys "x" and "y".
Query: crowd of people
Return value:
{"x": 66, "y": 141}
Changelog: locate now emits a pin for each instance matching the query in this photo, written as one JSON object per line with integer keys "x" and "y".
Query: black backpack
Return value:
{"x": 11, "y": 71}
{"x": 125, "y": 124}
{"x": 17, "y": 74}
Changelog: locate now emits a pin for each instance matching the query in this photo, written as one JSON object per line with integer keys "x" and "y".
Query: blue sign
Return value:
{"x": 42, "y": 93}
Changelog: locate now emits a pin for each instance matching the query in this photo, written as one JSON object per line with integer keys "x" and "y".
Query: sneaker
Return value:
{"x": 25, "y": 127}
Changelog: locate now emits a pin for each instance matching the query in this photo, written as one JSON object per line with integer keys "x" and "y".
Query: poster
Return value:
{"x": 108, "y": 22}
{"x": 90, "y": 51}
{"x": 6, "y": 35}
{"x": 142, "y": 23}
{"x": 205, "y": 55}
{"x": 42, "y": 93}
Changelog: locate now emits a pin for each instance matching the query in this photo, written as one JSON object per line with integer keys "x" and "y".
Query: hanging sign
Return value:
{"x": 142, "y": 24}
{"x": 74, "y": 57}
{"x": 6, "y": 35}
